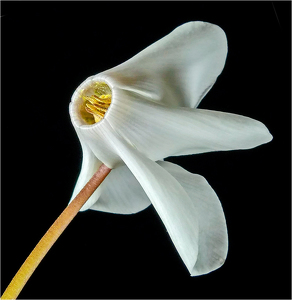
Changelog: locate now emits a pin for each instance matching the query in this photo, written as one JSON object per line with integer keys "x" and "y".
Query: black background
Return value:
{"x": 48, "y": 49}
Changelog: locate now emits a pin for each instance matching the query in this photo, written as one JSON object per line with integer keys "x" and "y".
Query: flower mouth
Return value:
{"x": 95, "y": 102}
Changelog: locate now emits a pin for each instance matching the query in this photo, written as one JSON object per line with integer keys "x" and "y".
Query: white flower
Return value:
{"x": 133, "y": 116}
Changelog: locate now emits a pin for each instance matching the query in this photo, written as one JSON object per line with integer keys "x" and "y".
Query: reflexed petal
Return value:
{"x": 177, "y": 70}
{"x": 159, "y": 131}
{"x": 90, "y": 165}
{"x": 170, "y": 200}
{"x": 213, "y": 239}
{"x": 121, "y": 193}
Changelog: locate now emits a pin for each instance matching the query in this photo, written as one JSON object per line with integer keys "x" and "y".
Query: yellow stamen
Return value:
{"x": 96, "y": 117}
{"x": 106, "y": 97}
{"x": 95, "y": 110}
{"x": 97, "y": 104}
{"x": 104, "y": 102}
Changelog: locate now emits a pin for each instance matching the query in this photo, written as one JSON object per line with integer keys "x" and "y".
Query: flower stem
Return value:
{"x": 47, "y": 241}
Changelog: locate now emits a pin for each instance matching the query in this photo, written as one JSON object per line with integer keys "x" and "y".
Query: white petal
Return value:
{"x": 167, "y": 196}
{"x": 159, "y": 131}
{"x": 179, "y": 69}
{"x": 95, "y": 136}
{"x": 121, "y": 193}
{"x": 213, "y": 239}
{"x": 90, "y": 165}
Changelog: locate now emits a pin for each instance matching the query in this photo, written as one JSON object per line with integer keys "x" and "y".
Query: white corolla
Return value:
{"x": 134, "y": 115}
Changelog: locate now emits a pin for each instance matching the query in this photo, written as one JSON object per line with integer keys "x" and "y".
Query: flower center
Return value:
{"x": 96, "y": 101}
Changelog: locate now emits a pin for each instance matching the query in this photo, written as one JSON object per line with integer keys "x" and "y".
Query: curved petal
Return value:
{"x": 177, "y": 70}
{"x": 168, "y": 198}
{"x": 121, "y": 193}
{"x": 95, "y": 136}
{"x": 213, "y": 238}
{"x": 159, "y": 131}
{"x": 90, "y": 165}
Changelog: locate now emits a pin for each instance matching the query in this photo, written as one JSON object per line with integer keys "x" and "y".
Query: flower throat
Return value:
{"x": 95, "y": 106}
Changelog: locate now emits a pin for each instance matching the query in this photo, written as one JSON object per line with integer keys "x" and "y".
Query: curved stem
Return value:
{"x": 47, "y": 241}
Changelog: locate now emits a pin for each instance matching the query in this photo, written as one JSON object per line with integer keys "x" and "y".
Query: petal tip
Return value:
{"x": 264, "y": 135}
{"x": 219, "y": 263}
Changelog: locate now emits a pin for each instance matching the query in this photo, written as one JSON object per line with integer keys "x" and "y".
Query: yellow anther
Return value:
{"x": 97, "y": 101}
{"x": 97, "y": 117}
{"x": 106, "y": 97}
{"x": 103, "y": 102}
{"x": 97, "y": 104}
{"x": 93, "y": 109}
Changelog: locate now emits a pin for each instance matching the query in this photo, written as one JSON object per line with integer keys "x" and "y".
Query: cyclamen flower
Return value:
{"x": 133, "y": 116}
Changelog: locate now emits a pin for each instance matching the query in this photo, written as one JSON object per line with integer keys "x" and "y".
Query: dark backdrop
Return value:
{"x": 48, "y": 49}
